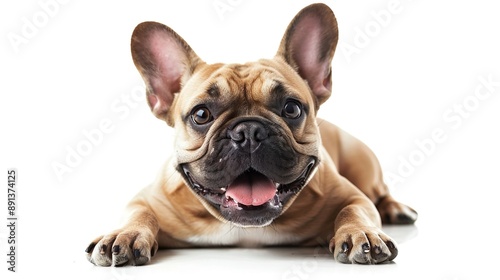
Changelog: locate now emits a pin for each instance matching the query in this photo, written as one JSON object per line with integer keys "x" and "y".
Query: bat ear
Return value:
{"x": 165, "y": 62}
{"x": 308, "y": 46}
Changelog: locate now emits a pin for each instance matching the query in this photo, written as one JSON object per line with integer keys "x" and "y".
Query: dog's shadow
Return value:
{"x": 401, "y": 234}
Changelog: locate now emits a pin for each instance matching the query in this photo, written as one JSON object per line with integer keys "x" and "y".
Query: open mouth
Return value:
{"x": 251, "y": 191}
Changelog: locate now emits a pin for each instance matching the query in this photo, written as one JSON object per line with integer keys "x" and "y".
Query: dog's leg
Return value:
{"x": 360, "y": 166}
{"x": 134, "y": 244}
{"x": 358, "y": 237}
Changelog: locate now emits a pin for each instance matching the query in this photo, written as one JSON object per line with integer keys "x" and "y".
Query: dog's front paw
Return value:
{"x": 122, "y": 247}
{"x": 367, "y": 245}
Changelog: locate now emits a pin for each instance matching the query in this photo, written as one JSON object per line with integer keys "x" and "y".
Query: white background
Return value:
{"x": 412, "y": 66}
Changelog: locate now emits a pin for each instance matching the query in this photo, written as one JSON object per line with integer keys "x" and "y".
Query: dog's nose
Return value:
{"x": 248, "y": 135}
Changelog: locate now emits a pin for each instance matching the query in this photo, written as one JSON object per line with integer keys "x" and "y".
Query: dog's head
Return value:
{"x": 247, "y": 139}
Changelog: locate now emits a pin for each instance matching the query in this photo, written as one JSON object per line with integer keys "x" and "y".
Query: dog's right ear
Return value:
{"x": 165, "y": 62}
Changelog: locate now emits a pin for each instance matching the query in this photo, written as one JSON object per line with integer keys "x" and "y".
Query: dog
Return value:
{"x": 253, "y": 165}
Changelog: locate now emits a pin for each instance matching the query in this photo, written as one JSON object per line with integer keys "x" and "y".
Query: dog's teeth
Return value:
{"x": 223, "y": 189}
{"x": 276, "y": 201}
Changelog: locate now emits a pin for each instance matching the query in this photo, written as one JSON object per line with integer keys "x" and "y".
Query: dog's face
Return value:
{"x": 247, "y": 142}
{"x": 247, "y": 139}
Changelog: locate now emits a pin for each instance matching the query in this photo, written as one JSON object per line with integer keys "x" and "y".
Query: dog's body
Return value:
{"x": 253, "y": 164}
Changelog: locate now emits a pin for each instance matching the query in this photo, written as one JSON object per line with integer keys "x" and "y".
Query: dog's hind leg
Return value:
{"x": 356, "y": 162}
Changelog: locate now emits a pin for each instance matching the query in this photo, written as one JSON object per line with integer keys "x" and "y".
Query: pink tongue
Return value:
{"x": 251, "y": 189}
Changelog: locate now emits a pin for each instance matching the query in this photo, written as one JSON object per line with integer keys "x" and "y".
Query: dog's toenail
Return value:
{"x": 366, "y": 248}
{"x": 103, "y": 250}
{"x": 116, "y": 249}
{"x": 137, "y": 253}
{"x": 90, "y": 248}
{"x": 345, "y": 247}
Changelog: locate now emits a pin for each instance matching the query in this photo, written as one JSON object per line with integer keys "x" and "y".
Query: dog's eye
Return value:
{"x": 201, "y": 116}
{"x": 292, "y": 110}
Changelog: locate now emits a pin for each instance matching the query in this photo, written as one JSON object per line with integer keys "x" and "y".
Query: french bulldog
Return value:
{"x": 253, "y": 165}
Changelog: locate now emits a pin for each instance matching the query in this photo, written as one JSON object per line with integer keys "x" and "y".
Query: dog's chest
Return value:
{"x": 229, "y": 235}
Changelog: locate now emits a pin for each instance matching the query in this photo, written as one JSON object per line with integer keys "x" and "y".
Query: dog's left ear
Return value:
{"x": 308, "y": 46}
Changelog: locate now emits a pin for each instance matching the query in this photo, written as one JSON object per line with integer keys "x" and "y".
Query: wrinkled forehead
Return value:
{"x": 253, "y": 80}
{"x": 256, "y": 81}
